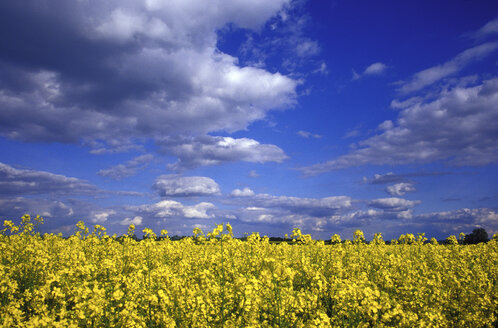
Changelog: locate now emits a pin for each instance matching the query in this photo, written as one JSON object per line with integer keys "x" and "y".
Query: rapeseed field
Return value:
{"x": 214, "y": 280}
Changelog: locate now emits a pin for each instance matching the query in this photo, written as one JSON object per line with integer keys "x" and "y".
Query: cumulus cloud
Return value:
{"x": 137, "y": 220}
{"x": 111, "y": 74}
{"x": 464, "y": 219}
{"x": 436, "y": 73}
{"x": 393, "y": 204}
{"x": 385, "y": 178}
{"x": 267, "y": 217}
{"x": 30, "y": 182}
{"x": 322, "y": 214}
{"x": 169, "y": 209}
{"x": 20, "y": 182}
{"x": 198, "y": 211}
{"x": 208, "y": 150}
{"x": 101, "y": 216}
{"x": 178, "y": 186}
{"x": 306, "y": 134}
{"x": 439, "y": 224}
{"x": 127, "y": 169}
{"x": 458, "y": 126}
{"x": 478, "y": 215}
{"x": 258, "y": 211}
{"x": 373, "y": 69}
{"x": 60, "y": 213}
{"x": 311, "y": 206}
{"x": 359, "y": 216}
{"x": 15, "y": 207}
{"x": 386, "y": 210}
{"x": 287, "y": 205}
{"x": 399, "y": 189}
{"x": 242, "y": 192}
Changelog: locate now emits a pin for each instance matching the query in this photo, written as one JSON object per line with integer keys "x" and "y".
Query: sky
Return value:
{"x": 328, "y": 116}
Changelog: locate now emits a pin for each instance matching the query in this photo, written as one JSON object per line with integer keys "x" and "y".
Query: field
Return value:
{"x": 215, "y": 280}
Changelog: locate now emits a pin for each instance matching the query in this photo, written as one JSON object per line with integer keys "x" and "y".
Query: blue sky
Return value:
{"x": 329, "y": 116}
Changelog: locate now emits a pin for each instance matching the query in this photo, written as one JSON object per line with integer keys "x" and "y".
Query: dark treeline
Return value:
{"x": 478, "y": 235}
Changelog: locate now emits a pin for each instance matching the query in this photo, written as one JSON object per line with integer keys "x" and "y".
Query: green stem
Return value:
{"x": 222, "y": 286}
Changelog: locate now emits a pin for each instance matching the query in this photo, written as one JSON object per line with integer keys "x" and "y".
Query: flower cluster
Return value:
{"x": 215, "y": 280}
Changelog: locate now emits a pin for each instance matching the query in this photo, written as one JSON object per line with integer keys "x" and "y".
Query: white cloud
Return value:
{"x": 406, "y": 215}
{"x": 359, "y": 215}
{"x": 307, "y": 48}
{"x": 207, "y": 150}
{"x": 124, "y": 25}
{"x": 399, "y": 189}
{"x": 391, "y": 177}
{"x": 436, "y": 73}
{"x": 137, "y": 220}
{"x": 130, "y": 168}
{"x": 481, "y": 215}
{"x": 169, "y": 209}
{"x": 322, "y": 69}
{"x": 373, "y": 69}
{"x": 199, "y": 211}
{"x": 393, "y": 203}
{"x": 464, "y": 219}
{"x": 253, "y": 174}
{"x": 310, "y": 205}
{"x": 254, "y": 208}
{"x": 356, "y": 76}
{"x": 287, "y": 44}
{"x": 288, "y": 212}
{"x": 242, "y": 193}
{"x": 57, "y": 213}
{"x": 386, "y": 125}
{"x": 457, "y": 126}
{"x": 283, "y": 206}
{"x": 385, "y": 178}
{"x": 133, "y": 70}
{"x": 489, "y": 28}
{"x": 102, "y": 216}
{"x": 306, "y": 134}
{"x": 28, "y": 182}
{"x": 174, "y": 185}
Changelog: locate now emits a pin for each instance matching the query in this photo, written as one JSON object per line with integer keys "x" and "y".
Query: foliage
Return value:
{"x": 478, "y": 235}
{"x": 214, "y": 280}
{"x": 452, "y": 240}
{"x": 378, "y": 240}
{"x": 335, "y": 239}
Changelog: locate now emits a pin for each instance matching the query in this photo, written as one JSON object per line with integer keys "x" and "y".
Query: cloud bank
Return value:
{"x": 110, "y": 75}
{"x": 128, "y": 169}
{"x": 30, "y": 182}
{"x": 399, "y": 189}
{"x": 178, "y": 186}
{"x": 193, "y": 152}
{"x": 458, "y": 127}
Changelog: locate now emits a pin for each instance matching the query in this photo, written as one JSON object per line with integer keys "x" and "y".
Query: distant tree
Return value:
{"x": 478, "y": 235}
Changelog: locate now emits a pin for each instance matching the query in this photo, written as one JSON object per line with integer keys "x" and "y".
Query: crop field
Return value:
{"x": 214, "y": 280}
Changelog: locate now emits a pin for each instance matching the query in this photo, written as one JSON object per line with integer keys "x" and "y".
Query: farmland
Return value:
{"x": 214, "y": 280}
